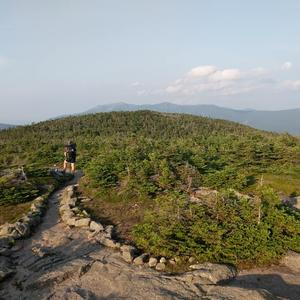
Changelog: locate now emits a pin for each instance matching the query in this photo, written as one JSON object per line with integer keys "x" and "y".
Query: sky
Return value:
{"x": 61, "y": 57}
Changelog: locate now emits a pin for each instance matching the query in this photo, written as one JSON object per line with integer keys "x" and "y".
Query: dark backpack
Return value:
{"x": 70, "y": 151}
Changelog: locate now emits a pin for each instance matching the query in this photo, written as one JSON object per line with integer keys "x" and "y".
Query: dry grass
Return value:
{"x": 11, "y": 213}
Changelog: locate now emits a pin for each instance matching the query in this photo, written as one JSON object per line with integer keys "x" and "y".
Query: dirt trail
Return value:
{"x": 58, "y": 262}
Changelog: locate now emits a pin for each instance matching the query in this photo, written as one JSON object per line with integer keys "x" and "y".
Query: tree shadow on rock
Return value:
{"x": 272, "y": 283}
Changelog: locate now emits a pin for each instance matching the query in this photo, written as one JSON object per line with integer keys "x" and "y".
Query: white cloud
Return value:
{"x": 136, "y": 83}
{"x": 202, "y": 71}
{"x": 210, "y": 79}
{"x": 227, "y": 74}
{"x": 292, "y": 84}
{"x": 286, "y": 66}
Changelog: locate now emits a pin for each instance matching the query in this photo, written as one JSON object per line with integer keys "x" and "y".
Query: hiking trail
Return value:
{"x": 59, "y": 262}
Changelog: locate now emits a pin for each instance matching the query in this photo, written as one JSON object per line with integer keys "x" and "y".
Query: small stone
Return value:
{"x": 85, "y": 222}
{"x": 128, "y": 253}
{"x": 63, "y": 208}
{"x": 172, "y": 261}
{"x": 22, "y": 229}
{"x": 152, "y": 262}
{"x": 109, "y": 230}
{"x": 71, "y": 202}
{"x": 85, "y": 213}
{"x": 196, "y": 266}
{"x": 160, "y": 266}
{"x": 85, "y": 200}
{"x": 163, "y": 260}
{"x": 68, "y": 214}
{"x": 41, "y": 252}
{"x": 140, "y": 260}
{"x": 177, "y": 259}
{"x": 97, "y": 227}
{"x": 109, "y": 243}
{"x": 71, "y": 221}
{"x": 192, "y": 260}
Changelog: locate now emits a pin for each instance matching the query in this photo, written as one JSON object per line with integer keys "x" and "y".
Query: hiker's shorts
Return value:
{"x": 71, "y": 160}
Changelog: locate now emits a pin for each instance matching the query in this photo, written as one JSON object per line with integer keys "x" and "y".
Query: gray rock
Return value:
{"x": 128, "y": 253}
{"x": 68, "y": 214}
{"x": 97, "y": 227}
{"x": 177, "y": 259}
{"x": 15, "y": 234}
{"x": 85, "y": 222}
{"x": 85, "y": 200}
{"x": 22, "y": 229}
{"x": 71, "y": 202}
{"x": 109, "y": 230}
{"x": 209, "y": 273}
{"x": 163, "y": 260}
{"x": 109, "y": 243}
{"x": 6, "y": 229}
{"x": 71, "y": 221}
{"x": 63, "y": 208}
{"x": 160, "y": 266}
{"x": 140, "y": 260}
{"x": 152, "y": 262}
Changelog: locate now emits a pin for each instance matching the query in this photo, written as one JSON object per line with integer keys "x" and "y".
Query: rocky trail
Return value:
{"x": 60, "y": 262}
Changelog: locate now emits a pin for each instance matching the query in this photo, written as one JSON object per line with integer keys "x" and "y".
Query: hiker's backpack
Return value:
{"x": 70, "y": 151}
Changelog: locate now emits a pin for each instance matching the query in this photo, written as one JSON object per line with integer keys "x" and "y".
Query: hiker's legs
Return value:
{"x": 73, "y": 167}
{"x": 65, "y": 165}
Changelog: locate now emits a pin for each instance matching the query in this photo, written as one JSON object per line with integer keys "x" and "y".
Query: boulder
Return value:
{"x": 71, "y": 202}
{"x": 85, "y": 222}
{"x": 140, "y": 260}
{"x": 109, "y": 231}
{"x": 97, "y": 227}
{"x": 208, "y": 273}
{"x": 128, "y": 253}
{"x": 23, "y": 229}
{"x": 152, "y": 262}
{"x": 71, "y": 221}
{"x": 160, "y": 266}
{"x": 109, "y": 243}
{"x": 6, "y": 229}
{"x": 67, "y": 215}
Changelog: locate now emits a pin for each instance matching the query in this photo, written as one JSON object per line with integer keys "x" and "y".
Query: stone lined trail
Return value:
{"x": 59, "y": 262}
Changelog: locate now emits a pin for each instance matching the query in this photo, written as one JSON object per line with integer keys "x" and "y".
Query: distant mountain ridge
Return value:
{"x": 5, "y": 126}
{"x": 278, "y": 121}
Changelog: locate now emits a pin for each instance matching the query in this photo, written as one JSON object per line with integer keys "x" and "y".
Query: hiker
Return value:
{"x": 70, "y": 156}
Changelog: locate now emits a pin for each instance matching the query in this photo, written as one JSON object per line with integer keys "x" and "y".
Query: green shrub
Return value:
{"x": 227, "y": 231}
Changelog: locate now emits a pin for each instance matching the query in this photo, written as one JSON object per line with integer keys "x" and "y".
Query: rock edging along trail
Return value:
{"x": 22, "y": 228}
{"x": 74, "y": 216}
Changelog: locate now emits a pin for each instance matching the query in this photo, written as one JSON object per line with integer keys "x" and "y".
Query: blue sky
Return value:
{"x": 60, "y": 57}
